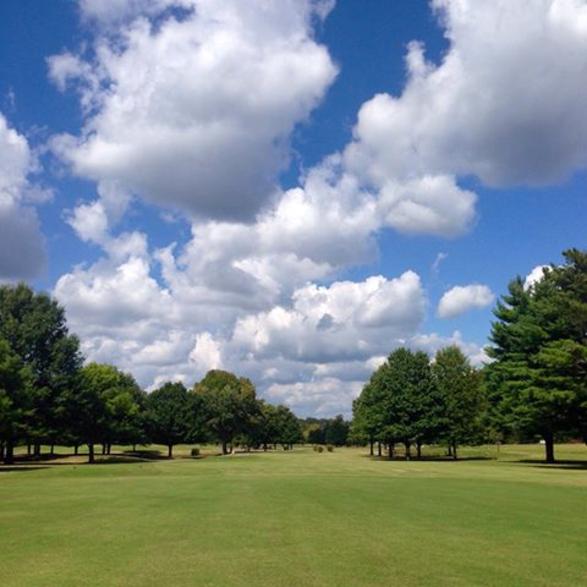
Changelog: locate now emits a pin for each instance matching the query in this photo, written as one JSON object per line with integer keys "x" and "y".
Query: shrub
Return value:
{"x": 329, "y": 448}
{"x": 319, "y": 448}
{"x": 195, "y": 452}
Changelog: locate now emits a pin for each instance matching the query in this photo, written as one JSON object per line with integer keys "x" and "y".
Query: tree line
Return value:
{"x": 49, "y": 397}
{"x": 534, "y": 384}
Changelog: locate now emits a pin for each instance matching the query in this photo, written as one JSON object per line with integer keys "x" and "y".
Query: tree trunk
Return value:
{"x": 264, "y": 447}
{"x": 52, "y": 450}
{"x": 90, "y": 453}
{"x": 103, "y": 448}
{"x": 419, "y": 449}
{"x": 2, "y": 451}
{"x": 379, "y": 449}
{"x": 449, "y": 450}
{"x": 109, "y": 449}
{"x": 37, "y": 450}
{"x": 29, "y": 449}
{"x": 9, "y": 452}
{"x": 170, "y": 451}
{"x": 371, "y": 447}
{"x": 390, "y": 448}
{"x": 549, "y": 447}
{"x": 134, "y": 448}
{"x": 407, "y": 446}
{"x": 224, "y": 447}
{"x": 76, "y": 449}
{"x": 454, "y": 451}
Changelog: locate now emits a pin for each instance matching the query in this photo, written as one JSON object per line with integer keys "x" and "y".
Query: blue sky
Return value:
{"x": 266, "y": 187}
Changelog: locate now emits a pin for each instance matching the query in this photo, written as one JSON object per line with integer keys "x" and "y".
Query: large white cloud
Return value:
{"x": 341, "y": 322}
{"x": 195, "y": 113}
{"x": 193, "y": 110}
{"x": 22, "y": 247}
{"x": 463, "y": 298}
{"x": 506, "y": 104}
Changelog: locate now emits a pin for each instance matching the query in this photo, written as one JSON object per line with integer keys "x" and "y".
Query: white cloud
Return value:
{"x": 207, "y": 353}
{"x": 536, "y": 275}
{"x": 440, "y": 257}
{"x": 22, "y": 246}
{"x": 196, "y": 113}
{"x": 461, "y": 299}
{"x": 506, "y": 103}
{"x": 341, "y": 322}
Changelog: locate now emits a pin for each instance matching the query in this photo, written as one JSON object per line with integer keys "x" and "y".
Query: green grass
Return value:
{"x": 298, "y": 518}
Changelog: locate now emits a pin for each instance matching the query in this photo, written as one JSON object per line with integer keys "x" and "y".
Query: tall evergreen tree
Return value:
{"x": 538, "y": 380}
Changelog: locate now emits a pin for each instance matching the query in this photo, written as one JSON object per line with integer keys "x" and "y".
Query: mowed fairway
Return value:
{"x": 297, "y": 518}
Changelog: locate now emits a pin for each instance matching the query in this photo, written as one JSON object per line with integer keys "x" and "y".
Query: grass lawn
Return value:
{"x": 298, "y": 518}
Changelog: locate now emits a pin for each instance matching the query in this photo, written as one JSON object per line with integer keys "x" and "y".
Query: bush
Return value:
{"x": 195, "y": 452}
{"x": 319, "y": 448}
{"x": 330, "y": 448}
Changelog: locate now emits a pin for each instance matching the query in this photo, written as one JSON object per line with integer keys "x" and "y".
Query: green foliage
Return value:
{"x": 229, "y": 403}
{"x": 34, "y": 327}
{"x": 460, "y": 396}
{"x": 337, "y": 431}
{"x": 169, "y": 415}
{"x": 538, "y": 381}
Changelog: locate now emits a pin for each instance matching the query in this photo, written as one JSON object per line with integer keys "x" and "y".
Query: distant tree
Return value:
{"x": 286, "y": 427}
{"x": 34, "y": 326}
{"x": 537, "y": 382}
{"x": 14, "y": 400}
{"x": 460, "y": 393}
{"x": 337, "y": 431}
{"x": 169, "y": 415}
{"x": 230, "y": 405}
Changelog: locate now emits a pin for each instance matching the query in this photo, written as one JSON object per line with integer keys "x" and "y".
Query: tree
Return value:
{"x": 230, "y": 404}
{"x": 35, "y": 328}
{"x": 538, "y": 379}
{"x": 405, "y": 384}
{"x": 105, "y": 407}
{"x": 169, "y": 411}
{"x": 14, "y": 400}
{"x": 337, "y": 431}
{"x": 460, "y": 394}
{"x": 286, "y": 427}
{"x": 368, "y": 412}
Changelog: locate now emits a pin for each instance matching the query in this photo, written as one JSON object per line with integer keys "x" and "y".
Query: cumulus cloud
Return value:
{"x": 506, "y": 104}
{"x": 195, "y": 113}
{"x": 341, "y": 322}
{"x": 536, "y": 275}
{"x": 461, "y": 299}
{"x": 22, "y": 247}
{"x": 192, "y": 109}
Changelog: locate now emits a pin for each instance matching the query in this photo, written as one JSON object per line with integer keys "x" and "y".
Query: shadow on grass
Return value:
{"x": 428, "y": 459}
{"x": 564, "y": 464}
{"x": 21, "y": 468}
